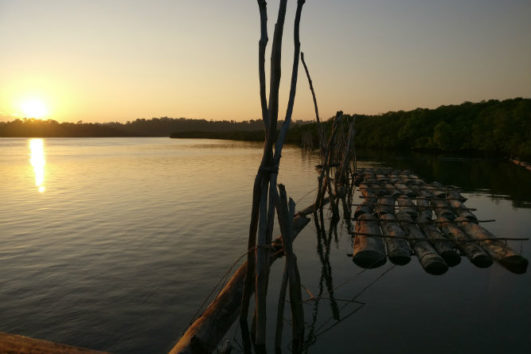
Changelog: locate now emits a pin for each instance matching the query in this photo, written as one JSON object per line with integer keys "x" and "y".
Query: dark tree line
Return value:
{"x": 140, "y": 127}
{"x": 500, "y": 128}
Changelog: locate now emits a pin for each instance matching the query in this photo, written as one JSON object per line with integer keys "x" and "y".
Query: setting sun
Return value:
{"x": 33, "y": 108}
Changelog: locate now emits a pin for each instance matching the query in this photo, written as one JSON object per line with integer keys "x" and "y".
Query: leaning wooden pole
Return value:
{"x": 316, "y": 108}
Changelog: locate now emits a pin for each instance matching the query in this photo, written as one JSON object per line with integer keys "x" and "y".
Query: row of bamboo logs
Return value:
{"x": 523, "y": 164}
{"x": 401, "y": 216}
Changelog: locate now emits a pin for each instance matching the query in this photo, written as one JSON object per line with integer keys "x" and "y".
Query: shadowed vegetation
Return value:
{"x": 497, "y": 128}
{"x": 140, "y": 127}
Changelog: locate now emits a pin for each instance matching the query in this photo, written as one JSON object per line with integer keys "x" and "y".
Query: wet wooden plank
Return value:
{"x": 13, "y": 343}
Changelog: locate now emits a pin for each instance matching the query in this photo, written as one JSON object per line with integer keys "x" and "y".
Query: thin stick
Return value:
{"x": 262, "y": 44}
{"x": 424, "y": 239}
{"x": 416, "y": 198}
{"x": 417, "y": 207}
{"x": 438, "y": 222}
{"x": 316, "y": 108}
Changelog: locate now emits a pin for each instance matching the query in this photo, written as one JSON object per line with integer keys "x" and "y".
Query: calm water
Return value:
{"x": 113, "y": 244}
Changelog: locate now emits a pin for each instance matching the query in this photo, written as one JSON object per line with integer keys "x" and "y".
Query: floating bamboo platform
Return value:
{"x": 402, "y": 216}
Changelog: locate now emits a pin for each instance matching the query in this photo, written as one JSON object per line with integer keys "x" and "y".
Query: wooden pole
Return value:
{"x": 398, "y": 250}
{"x": 442, "y": 245}
{"x": 368, "y": 252}
{"x": 474, "y": 252}
{"x": 428, "y": 257}
{"x": 316, "y": 108}
{"x": 13, "y": 343}
{"x": 502, "y": 253}
{"x": 258, "y": 183}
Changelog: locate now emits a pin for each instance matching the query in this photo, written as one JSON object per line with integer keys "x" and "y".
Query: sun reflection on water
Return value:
{"x": 37, "y": 161}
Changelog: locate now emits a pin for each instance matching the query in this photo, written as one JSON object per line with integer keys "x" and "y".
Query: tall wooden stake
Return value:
{"x": 265, "y": 186}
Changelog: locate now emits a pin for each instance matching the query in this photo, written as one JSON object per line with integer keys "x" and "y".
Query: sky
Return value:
{"x": 100, "y": 61}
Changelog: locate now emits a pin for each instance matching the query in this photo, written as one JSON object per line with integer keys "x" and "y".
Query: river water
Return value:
{"x": 114, "y": 244}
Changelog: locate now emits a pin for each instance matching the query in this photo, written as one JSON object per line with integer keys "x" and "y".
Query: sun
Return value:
{"x": 34, "y": 108}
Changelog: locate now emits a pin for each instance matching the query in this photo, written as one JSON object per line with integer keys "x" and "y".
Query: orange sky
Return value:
{"x": 121, "y": 60}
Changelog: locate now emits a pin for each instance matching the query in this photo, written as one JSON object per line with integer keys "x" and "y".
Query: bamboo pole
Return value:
{"x": 380, "y": 235}
{"x": 384, "y": 205}
{"x": 407, "y": 206}
{"x": 444, "y": 247}
{"x": 502, "y": 253}
{"x": 398, "y": 250}
{"x": 316, "y": 108}
{"x": 474, "y": 252}
{"x": 428, "y": 257}
{"x": 418, "y": 207}
{"x": 368, "y": 252}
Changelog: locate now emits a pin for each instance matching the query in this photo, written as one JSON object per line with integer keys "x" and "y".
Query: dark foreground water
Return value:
{"x": 113, "y": 244}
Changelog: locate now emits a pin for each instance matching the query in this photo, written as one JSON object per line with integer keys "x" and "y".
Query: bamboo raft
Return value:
{"x": 401, "y": 216}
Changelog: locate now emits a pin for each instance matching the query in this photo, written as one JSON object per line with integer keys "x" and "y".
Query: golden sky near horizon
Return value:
{"x": 120, "y": 60}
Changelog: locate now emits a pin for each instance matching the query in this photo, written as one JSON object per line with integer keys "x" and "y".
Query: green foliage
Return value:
{"x": 491, "y": 127}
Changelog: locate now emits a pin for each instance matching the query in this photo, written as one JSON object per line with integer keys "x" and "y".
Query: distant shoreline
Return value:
{"x": 495, "y": 128}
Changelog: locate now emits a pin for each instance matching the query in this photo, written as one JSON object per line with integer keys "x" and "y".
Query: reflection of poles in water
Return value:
{"x": 323, "y": 250}
{"x": 335, "y": 152}
{"x": 324, "y": 241}
{"x": 331, "y": 322}
{"x": 354, "y": 300}
{"x": 291, "y": 275}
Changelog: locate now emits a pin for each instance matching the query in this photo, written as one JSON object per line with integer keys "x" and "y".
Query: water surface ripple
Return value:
{"x": 113, "y": 243}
